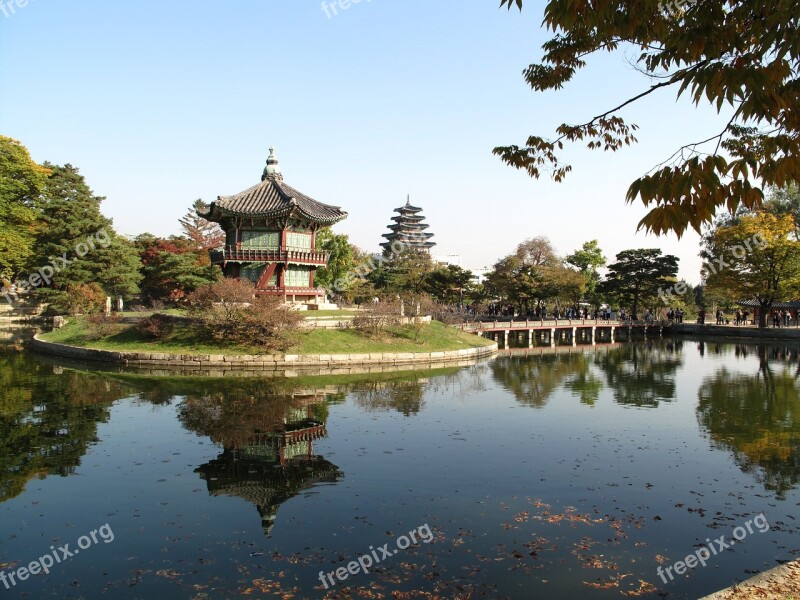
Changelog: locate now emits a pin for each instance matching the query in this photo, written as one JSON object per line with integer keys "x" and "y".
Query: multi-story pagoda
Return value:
{"x": 270, "y": 233}
{"x": 408, "y": 230}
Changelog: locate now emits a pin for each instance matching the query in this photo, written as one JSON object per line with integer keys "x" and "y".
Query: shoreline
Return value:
{"x": 265, "y": 362}
{"x": 778, "y": 583}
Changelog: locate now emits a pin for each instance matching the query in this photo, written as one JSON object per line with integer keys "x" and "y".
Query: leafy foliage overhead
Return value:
{"x": 740, "y": 56}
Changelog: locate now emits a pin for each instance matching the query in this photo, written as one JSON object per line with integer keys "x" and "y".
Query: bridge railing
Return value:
{"x": 550, "y": 323}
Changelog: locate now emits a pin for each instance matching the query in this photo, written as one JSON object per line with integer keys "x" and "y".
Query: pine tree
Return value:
{"x": 77, "y": 244}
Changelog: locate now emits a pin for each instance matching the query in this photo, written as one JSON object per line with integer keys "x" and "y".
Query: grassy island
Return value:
{"x": 125, "y": 337}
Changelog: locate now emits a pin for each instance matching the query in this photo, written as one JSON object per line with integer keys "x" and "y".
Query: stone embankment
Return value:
{"x": 258, "y": 361}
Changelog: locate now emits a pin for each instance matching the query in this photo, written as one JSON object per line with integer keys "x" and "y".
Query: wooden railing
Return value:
{"x": 550, "y": 323}
{"x": 303, "y": 256}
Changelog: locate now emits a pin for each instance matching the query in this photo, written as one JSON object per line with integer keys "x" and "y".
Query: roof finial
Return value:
{"x": 273, "y": 169}
{"x": 408, "y": 200}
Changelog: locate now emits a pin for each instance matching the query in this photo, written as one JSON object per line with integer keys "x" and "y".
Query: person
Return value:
{"x": 701, "y": 316}
{"x": 555, "y": 313}
{"x": 680, "y": 315}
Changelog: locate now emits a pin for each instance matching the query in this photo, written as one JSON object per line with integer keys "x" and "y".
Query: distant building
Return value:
{"x": 271, "y": 233}
{"x": 479, "y": 275}
{"x": 408, "y": 230}
{"x": 447, "y": 259}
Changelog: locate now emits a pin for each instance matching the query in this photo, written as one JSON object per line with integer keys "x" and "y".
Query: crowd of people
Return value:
{"x": 742, "y": 316}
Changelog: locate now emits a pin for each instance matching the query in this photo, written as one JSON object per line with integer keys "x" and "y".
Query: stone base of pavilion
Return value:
{"x": 319, "y": 306}
{"x": 779, "y": 583}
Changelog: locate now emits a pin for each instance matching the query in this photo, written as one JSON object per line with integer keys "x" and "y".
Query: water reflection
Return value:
{"x": 268, "y": 445}
{"x": 756, "y": 415}
{"x": 533, "y": 380}
{"x": 48, "y": 419}
{"x": 642, "y": 375}
{"x": 638, "y": 374}
{"x": 520, "y": 500}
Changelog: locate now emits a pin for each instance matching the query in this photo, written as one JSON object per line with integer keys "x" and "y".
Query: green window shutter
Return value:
{"x": 298, "y": 241}
{"x": 261, "y": 239}
{"x": 253, "y": 273}
{"x": 297, "y": 277}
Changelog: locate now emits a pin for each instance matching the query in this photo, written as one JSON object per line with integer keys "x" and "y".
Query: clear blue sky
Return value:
{"x": 160, "y": 103}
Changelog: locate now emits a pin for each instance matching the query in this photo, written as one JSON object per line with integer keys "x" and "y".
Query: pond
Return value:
{"x": 586, "y": 473}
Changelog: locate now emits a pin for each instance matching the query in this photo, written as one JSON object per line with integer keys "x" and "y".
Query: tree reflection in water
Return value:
{"x": 641, "y": 374}
{"x": 48, "y": 419}
{"x": 756, "y": 416}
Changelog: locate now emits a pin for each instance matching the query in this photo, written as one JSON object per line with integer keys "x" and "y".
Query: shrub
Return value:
{"x": 377, "y": 318}
{"x": 229, "y": 311}
{"x": 156, "y": 327}
{"x": 101, "y": 325}
{"x": 84, "y": 298}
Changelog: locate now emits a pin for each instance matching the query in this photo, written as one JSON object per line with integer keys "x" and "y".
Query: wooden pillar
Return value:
{"x": 505, "y": 338}
{"x": 553, "y": 336}
{"x": 594, "y": 339}
{"x": 574, "y": 339}
{"x": 612, "y": 334}
{"x": 530, "y": 338}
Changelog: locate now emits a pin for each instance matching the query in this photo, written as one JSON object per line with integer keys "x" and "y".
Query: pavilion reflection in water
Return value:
{"x": 274, "y": 466}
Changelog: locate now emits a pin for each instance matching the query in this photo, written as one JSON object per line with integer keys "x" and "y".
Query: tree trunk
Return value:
{"x": 762, "y": 317}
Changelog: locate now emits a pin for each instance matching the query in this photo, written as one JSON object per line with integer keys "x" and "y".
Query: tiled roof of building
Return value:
{"x": 272, "y": 198}
{"x": 795, "y": 304}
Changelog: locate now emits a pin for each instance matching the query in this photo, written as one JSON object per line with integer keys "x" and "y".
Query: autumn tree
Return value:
{"x": 172, "y": 268}
{"x": 637, "y": 275}
{"x": 740, "y": 55}
{"x": 534, "y": 273}
{"x": 205, "y": 235}
{"x": 754, "y": 256}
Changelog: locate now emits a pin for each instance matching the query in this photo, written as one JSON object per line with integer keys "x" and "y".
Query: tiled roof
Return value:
{"x": 776, "y": 305}
{"x": 272, "y": 198}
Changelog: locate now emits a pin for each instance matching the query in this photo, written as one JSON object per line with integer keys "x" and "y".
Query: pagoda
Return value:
{"x": 270, "y": 236}
{"x": 408, "y": 231}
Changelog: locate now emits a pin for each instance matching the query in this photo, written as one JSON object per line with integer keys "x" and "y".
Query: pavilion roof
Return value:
{"x": 795, "y": 304}
{"x": 272, "y": 199}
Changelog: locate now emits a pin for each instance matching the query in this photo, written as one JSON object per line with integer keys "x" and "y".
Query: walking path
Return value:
{"x": 780, "y": 583}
